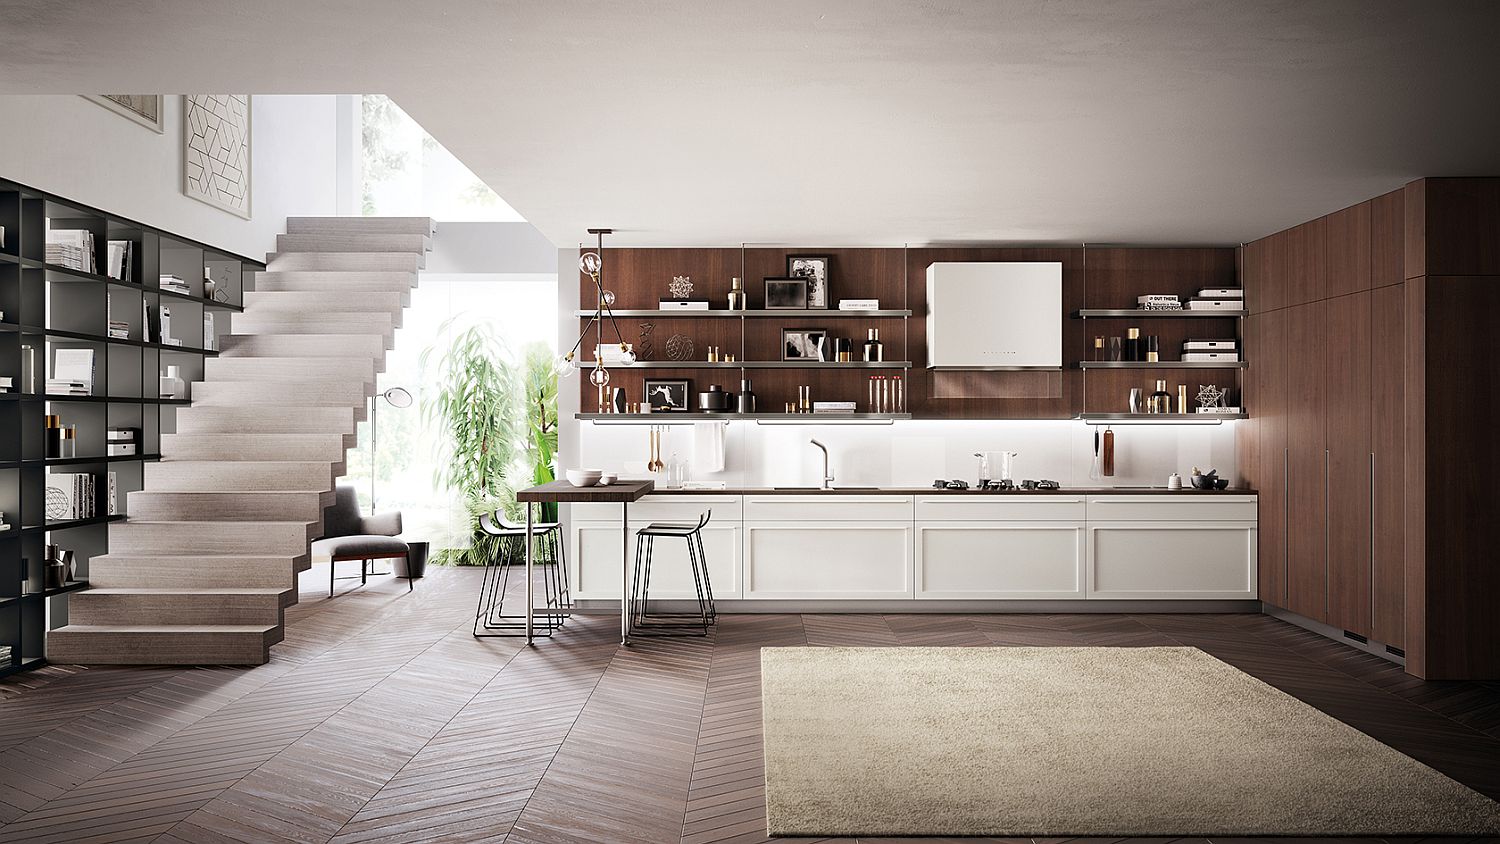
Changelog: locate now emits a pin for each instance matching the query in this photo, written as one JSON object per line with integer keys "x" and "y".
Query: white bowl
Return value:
{"x": 583, "y": 477}
{"x": 608, "y": 478}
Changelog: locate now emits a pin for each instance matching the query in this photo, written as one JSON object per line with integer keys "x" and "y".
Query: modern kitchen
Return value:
{"x": 1021, "y": 429}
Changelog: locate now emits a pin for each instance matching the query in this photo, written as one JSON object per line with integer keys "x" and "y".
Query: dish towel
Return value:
{"x": 708, "y": 446}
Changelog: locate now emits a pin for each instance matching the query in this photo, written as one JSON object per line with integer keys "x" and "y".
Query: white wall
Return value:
{"x": 67, "y": 145}
{"x": 917, "y": 452}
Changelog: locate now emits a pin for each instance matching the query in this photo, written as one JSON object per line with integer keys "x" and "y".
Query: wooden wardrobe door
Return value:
{"x": 1349, "y": 473}
{"x": 1268, "y": 362}
{"x": 1388, "y": 433}
{"x": 1307, "y": 502}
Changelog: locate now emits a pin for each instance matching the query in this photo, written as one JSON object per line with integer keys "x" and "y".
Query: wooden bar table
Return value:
{"x": 563, "y": 492}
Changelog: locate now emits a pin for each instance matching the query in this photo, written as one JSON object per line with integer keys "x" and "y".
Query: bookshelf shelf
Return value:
{"x": 50, "y": 307}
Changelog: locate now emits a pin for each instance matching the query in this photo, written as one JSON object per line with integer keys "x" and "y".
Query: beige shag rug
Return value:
{"x": 1073, "y": 742}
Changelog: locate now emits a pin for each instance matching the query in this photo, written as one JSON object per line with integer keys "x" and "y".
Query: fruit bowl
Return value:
{"x": 583, "y": 477}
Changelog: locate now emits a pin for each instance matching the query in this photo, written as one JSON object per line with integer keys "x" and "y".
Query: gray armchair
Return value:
{"x": 349, "y": 535}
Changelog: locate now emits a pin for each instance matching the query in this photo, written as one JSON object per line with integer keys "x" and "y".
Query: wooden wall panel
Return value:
{"x": 1347, "y": 254}
{"x": 1387, "y": 239}
{"x": 1115, "y": 276}
{"x": 1350, "y": 463}
{"x": 1388, "y": 442}
{"x": 1292, "y": 266}
{"x": 1461, "y": 222}
{"x": 1307, "y": 538}
{"x": 1458, "y": 569}
{"x": 639, "y": 277}
{"x": 853, "y": 273}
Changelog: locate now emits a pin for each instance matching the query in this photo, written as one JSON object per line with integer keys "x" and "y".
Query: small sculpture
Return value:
{"x": 681, "y": 287}
{"x": 1210, "y": 396}
{"x": 679, "y": 347}
{"x": 644, "y": 348}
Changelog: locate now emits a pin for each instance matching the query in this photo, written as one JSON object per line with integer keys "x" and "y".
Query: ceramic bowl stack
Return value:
{"x": 583, "y": 477}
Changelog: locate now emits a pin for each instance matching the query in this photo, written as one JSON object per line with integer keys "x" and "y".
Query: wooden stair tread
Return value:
{"x": 256, "y": 629}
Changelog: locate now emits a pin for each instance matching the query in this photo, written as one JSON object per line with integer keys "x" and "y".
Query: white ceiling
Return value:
{"x": 847, "y": 122}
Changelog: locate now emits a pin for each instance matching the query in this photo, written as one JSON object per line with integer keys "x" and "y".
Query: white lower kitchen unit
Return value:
{"x": 878, "y": 547}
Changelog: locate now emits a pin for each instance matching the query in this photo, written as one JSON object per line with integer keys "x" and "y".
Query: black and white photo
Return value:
{"x": 808, "y": 344}
{"x": 786, "y": 294}
{"x": 814, "y": 268}
{"x": 667, "y": 394}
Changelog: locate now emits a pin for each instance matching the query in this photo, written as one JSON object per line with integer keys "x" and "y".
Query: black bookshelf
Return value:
{"x": 46, "y": 307}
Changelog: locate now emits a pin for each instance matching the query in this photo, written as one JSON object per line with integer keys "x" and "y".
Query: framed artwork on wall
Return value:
{"x": 145, "y": 109}
{"x": 814, "y": 268}
{"x": 216, "y": 150}
{"x": 807, "y": 344}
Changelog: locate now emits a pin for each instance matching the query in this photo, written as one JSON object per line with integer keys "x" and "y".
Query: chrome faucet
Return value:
{"x": 827, "y": 475}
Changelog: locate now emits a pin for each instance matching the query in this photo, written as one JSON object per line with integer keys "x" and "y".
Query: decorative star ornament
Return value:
{"x": 681, "y": 287}
{"x": 1210, "y": 396}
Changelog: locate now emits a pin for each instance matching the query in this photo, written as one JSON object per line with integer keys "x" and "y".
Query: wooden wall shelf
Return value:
{"x": 668, "y": 418}
{"x": 778, "y": 313}
{"x": 1139, "y": 313}
{"x": 768, "y": 364}
{"x": 1165, "y": 364}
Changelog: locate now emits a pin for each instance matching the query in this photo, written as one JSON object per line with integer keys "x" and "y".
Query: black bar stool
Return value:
{"x": 550, "y": 556}
{"x": 672, "y": 624}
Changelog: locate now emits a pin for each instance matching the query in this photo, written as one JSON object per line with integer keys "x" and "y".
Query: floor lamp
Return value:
{"x": 397, "y": 397}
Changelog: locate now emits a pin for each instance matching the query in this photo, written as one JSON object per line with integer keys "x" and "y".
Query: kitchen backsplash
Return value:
{"x": 915, "y": 452}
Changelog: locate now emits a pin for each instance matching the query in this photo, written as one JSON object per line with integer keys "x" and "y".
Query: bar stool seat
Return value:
{"x": 648, "y": 623}
{"x": 552, "y": 560}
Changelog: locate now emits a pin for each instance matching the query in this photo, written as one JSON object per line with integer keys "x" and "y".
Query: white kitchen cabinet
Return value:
{"x": 999, "y": 560}
{"x": 828, "y": 507}
{"x": 594, "y": 560}
{"x": 1195, "y": 548}
{"x": 828, "y": 559}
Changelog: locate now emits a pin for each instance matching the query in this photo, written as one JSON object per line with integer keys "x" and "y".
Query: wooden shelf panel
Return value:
{"x": 1138, "y": 313}
{"x": 765, "y": 364}
{"x": 1159, "y": 417}
{"x": 789, "y": 313}
{"x": 667, "y": 418}
{"x": 1165, "y": 364}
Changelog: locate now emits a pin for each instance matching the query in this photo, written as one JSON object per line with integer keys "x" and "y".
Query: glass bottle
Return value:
{"x": 1161, "y": 400}
{"x": 874, "y": 351}
{"x": 1098, "y": 348}
{"x": 736, "y": 294}
{"x": 1133, "y": 345}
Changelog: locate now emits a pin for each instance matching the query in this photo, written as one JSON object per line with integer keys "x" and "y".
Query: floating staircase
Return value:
{"x": 207, "y": 561}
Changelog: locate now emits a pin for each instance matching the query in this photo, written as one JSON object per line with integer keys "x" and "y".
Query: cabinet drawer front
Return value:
{"x": 999, "y": 508}
{"x": 664, "y": 508}
{"x": 957, "y": 560}
{"x": 828, "y": 560}
{"x": 846, "y": 508}
{"x": 1170, "y": 508}
{"x": 594, "y": 560}
{"x": 1204, "y": 560}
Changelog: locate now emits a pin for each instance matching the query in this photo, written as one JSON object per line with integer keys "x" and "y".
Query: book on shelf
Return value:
{"x": 1219, "y": 410}
{"x": 859, "y": 304}
{"x": 70, "y": 496}
{"x": 164, "y": 326}
{"x": 66, "y": 388}
{"x": 1159, "y": 302}
{"x": 1211, "y": 357}
{"x": 121, "y": 257}
{"x": 1216, "y": 304}
{"x": 682, "y": 305}
{"x": 611, "y": 352}
{"x": 71, "y": 248}
{"x": 1197, "y": 345}
{"x": 833, "y": 407}
{"x": 1221, "y": 293}
{"x": 210, "y": 335}
{"x": 112, "y": 496}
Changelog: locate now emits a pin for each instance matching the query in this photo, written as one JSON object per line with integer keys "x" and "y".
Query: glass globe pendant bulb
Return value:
{"x": 599, "y": 376}
{"x": 565, "y": 365}
{"x": 590, "y": 263}
{"x": 627, "y": 355}
{"x": 608, "y": 297}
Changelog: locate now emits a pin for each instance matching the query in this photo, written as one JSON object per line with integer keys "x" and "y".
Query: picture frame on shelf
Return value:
{"x": 814, "y": 268}
{"x": 668, "y": 395}
{"x": 786, "y": 294}
{"x": 804, "y": 344}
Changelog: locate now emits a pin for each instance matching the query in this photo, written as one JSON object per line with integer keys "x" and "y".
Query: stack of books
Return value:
{"x": 72, "y": 373}
{"x": 121, "y": 255}
{"x": 1210, "y": 351}
{"x": 70, "y": 496}
{"x": 119, "y": 330}
{"x": 173, "y": 283}
{"x": 1159, "y": 302}
{"x": 71, "y": 248}
{"x": 122, "y": 442}
{"x": 859, "y": 304}
{"x": 833, "y": 407}
{"x": 6, "y": 383}
{"x": 1218, "y": 299}
{"x": 59, "y": 387}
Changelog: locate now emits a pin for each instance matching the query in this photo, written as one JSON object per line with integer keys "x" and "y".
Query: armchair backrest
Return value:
{"x": 342, "y": 517}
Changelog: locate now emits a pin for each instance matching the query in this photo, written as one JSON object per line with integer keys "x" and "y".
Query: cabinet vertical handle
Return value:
{"x": 1371, "y": 560}
{"x": 1327, "y": 462}
{"x": 1286, "y": 526}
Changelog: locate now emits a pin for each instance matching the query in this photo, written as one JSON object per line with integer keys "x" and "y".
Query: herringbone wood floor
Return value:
{"x": 381, "y": 719}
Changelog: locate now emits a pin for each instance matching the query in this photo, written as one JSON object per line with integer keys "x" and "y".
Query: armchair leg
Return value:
{"x": 332, "y": 570}
{"x": 408, "y": 571}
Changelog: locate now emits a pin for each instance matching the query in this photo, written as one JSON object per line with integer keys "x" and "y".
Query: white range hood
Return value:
{"x": 994, "y": 315}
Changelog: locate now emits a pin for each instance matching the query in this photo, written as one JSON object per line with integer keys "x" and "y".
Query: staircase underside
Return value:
{"x": 206, "y": 562}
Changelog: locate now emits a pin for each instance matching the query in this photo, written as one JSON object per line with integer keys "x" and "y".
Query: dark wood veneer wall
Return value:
{"x": 1093, "y": 277}
{"x": 1371, "y": 332}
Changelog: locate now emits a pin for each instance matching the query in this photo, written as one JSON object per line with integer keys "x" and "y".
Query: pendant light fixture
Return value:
{"x": 592, "y": 265}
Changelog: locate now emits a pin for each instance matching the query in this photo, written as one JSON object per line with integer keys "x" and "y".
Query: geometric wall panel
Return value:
{"x": 216, "y": 150}
{"x": 145, "y": 109}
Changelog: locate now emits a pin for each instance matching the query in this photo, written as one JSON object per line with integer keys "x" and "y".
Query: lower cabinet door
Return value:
{"x": 999, "y": 560}
{"x": 594, "y": 558}
{"x": 1165, "y": 560}
{"x": 833, "y": 560}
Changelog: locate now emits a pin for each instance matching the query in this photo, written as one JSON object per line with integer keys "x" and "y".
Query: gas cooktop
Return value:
{"x": 997, "y": 486}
